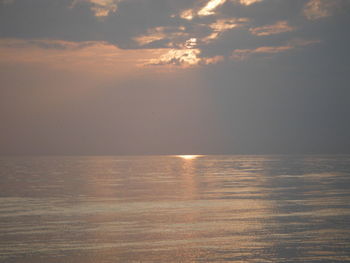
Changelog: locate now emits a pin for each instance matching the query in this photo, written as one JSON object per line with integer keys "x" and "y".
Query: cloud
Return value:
{"x": 187, "y": 14}
{"x": 242, "y": 54}
{"x": 183, "y": 58}
{"x": 222, "y": 25}
{"x": 153, "y": 34}
{"x": 277, "y": 28}
{"x": 206, "y": 10}
{"x": 177, "y": 57}
{"x": 249, "y": 2}
{"x": 214, "y": 27}
{"x": 166, "y": 36}
{"x": 45, "y": 44}
{"x": 101, "y": 8}
{"x": 316, "y": 9}
{"x": 92, "y": 57}
{"x": 209, "y": 8}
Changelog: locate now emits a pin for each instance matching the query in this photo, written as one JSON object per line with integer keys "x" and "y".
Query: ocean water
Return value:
{"x": 175, "y": 209}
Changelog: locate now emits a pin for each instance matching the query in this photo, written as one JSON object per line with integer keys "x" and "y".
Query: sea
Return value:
{"x": 210, "y": 208}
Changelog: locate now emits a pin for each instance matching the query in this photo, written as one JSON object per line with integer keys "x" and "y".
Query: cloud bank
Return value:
{"x": 190, "y": 32}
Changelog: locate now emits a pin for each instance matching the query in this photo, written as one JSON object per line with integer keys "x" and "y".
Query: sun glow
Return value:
{"x": 188, "y": 157}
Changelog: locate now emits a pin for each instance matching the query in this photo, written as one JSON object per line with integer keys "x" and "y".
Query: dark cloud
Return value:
{"x": 76, "y": 21}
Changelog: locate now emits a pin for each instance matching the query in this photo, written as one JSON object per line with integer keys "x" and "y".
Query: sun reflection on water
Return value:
{"x": 161, "y": 208}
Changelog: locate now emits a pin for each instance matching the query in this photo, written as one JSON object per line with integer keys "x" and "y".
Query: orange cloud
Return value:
{"x": 151, "y": 36}
{"x": 178, "y": 57}
{"x": 242, "y": 54}
{"x": 223, "y": 25}
{"x": 277, "y": 28}
{"x": 209, "y": 8}
{"x": 183, "y": 58}
{"x": 187, "y": 14}
{"x": 249, "y": 2}
{"x": 159, "y": 33}
{"x": 226, "y": 24}
{"x": 97, "y": 58}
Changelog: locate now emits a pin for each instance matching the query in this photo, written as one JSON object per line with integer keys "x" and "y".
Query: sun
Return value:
{"x": 188, "y": 157}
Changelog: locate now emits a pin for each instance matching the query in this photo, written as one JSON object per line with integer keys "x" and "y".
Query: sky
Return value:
{"x": 134, "y": 77}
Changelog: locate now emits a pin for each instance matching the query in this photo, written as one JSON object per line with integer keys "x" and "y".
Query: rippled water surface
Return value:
{"x": 175, "y": 209}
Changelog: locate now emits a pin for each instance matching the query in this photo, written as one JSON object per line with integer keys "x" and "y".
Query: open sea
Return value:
{"x": 282, "y": 208}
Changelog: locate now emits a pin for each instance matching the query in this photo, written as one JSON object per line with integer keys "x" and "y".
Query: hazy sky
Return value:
{"x": 174, "y": 76}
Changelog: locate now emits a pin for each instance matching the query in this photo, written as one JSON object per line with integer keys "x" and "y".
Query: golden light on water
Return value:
{"x": 188, "y": 157}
